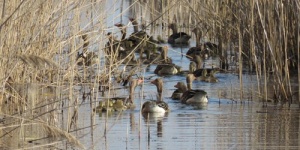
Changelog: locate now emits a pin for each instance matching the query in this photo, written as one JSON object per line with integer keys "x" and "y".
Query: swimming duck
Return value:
{"x": 156, "y": 106}
{"x": 123, "y": 30}
{"x": 198, "y": 49}
{"x": 210, "y": 47}
{"x": 192, "y": 96}
{"x": 211, "y": 78}
{"x": 198, "y": 70}
{"x": 178, "y": 37}
{"x": 120, "y": 103}
{"x": 167, "y": 69}
{"x": 181, "y": 88}
{"x": 137, "y": 36}
{"x": 158, "y": 57}
{"x": 144, "y": 43}
{"x": 117, "y": 50}
{"x": 126, "y": 43}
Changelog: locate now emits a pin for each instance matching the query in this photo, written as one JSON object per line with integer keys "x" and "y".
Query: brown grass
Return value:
{"x": 40, "y": 41}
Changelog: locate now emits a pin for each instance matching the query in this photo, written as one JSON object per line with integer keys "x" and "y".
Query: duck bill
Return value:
{"x": 176, "y": 86}
{"x": 153, "y": 81}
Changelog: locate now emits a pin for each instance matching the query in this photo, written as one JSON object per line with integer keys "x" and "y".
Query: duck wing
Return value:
{"x": 190, "y": 94}
{"x": 163, "y": 105}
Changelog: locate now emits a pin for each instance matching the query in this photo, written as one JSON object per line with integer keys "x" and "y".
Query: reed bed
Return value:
{"x": 40, "y": 41}
{"x": 262, "y": 36}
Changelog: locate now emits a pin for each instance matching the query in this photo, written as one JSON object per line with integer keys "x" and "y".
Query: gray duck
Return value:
{"x": 156, "y": 106}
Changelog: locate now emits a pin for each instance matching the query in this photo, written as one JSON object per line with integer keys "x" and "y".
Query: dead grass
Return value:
{"x": 40, "y": 41}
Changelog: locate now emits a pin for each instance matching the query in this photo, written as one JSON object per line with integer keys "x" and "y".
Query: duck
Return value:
{"x": 120, "y": 103}
{"x": 138, "y": 35}
{"x": 123, "y": 30}
{"x": 86, "y": 58}
{"x": 193, "y": 96}
{"x": 178, "y": 37}
{"x": 126, "y": 43}
{"x": 212, "y": 78}
{"x": 210, "y": 48}
{"x": 167, "y": 69}
{"x": 158, "y": 57}
{"x": 126, "y": 46}
{"x": 192, "y": 68}
{"x": 209, "y": 71}
{"x": 156, "y": 106}
{"x": 144, "y": 43}
{"x": 198, "y": 49}
{"x": 180, "y": 89}
{"x": 196, "y": 67}
{"x": 206, "y": 74}
{"x": 119, "y": 50}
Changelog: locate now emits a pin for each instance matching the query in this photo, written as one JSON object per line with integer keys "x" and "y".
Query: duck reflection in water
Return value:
{"x": 154, "y": 118}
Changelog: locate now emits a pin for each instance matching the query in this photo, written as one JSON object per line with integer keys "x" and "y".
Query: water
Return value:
{"x": 226, "y": 123}
{"x": 222, "y": 125}
{"x": 230, "y": 120}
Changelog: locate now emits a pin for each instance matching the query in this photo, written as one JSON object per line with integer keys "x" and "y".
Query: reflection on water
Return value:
{"x": 224, "y": 123}
{"x": 220, "y": 126}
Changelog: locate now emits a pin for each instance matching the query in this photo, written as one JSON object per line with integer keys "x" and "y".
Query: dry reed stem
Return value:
{"x": 46, "y": 36}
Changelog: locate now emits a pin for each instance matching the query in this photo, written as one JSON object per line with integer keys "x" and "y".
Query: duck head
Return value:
{"x": 181, "y": 86}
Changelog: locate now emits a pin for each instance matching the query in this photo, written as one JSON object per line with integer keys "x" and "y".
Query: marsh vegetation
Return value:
{"x": 60, "y": 56}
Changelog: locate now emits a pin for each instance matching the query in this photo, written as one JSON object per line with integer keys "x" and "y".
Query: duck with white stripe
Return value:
{"x": 156, "y": 106}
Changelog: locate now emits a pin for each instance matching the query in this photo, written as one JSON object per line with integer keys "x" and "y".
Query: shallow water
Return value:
{"x": 229, "y": 121}
{"x": 221, "y": 125}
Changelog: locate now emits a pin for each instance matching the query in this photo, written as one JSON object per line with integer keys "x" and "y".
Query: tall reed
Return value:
{"x": 264, "y": 34}
{"x": 40, "y": 41}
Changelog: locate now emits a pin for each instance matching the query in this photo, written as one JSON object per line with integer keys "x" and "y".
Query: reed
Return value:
{"x": 39, "y": 72}
{"x": 266, "y": 34}
{"x": 40, "y": 41}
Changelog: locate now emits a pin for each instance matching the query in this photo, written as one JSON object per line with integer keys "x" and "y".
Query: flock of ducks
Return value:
{"x": 139, "y": 42}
